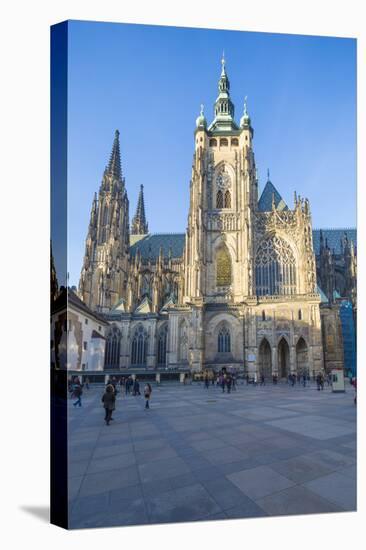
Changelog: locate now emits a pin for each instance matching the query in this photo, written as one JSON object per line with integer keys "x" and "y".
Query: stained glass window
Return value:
{"x": 219, "y": 200}
{"x": 227, "y": 199}
{"x": 139, "y": 347}
{"x": 223, "y": 341}
{"x": 162, "y": 345}
{"x": 112, "y": 349}
{"x": 223, "y": 267}
{"x": 275, "y": 268}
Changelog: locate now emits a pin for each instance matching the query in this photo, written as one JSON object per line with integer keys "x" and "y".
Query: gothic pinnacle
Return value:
{"x": 114, "y": 166}
{"x": 139, "y": 224}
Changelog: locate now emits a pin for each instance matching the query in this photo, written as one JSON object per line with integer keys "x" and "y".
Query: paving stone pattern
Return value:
{"x": 201, "y": 455}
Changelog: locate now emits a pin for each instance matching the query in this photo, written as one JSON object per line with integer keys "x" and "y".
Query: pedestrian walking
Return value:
{"x": 207, "y": 381}
{"x": 263, "y": 382}
{"x": 233, "y": 379}
{"x": 109, "y": 403}
{"x": 223, "y": 382}
{"x": 228, "y": 383}
{"x": 318, "y": 381}
{"x": 77, "y": 393}
{"x": 87, "y": 383}
{"x": 136, "y": 387}
{"x": 147, "y": 394}
{"x": 304, "y": 380}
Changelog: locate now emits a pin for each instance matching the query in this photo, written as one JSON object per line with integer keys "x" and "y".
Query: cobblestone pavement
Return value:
{"x": 199, "y": 454}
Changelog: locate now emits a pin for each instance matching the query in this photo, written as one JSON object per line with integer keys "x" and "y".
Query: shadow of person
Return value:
{"x": 40, "y": 512}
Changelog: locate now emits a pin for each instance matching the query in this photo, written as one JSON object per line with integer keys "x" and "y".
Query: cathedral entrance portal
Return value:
{"x": 302, "y": 357}
{"x": 283, "y": 358}
{"x": 265, "y": 359}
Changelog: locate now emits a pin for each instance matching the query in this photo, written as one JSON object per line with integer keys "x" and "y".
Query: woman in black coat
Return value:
{"x": 109, "y": 400}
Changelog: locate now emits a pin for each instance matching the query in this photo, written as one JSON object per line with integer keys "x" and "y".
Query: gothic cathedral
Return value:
{"x": 238, "y": 290}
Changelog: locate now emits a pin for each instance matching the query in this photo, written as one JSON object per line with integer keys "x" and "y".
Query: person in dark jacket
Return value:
{"x": 136, "y": 387}
{"x": 147, "y": 394}
{"x": 78, "y": 391}
{"x": 109, "y": 401}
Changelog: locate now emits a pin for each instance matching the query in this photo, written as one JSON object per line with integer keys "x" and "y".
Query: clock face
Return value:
{"x": 223, "y": 180}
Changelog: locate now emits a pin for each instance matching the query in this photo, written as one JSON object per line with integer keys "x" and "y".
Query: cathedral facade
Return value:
{"x": 239, "y": 289}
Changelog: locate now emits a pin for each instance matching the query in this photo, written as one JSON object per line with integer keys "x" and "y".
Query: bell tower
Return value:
{"x": 223, "y": 197}
{"x": 103, "y": 276}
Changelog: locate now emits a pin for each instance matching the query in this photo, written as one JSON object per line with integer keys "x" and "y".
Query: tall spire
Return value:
{"x": 139, "y": 223}
{"x": 224, "y": 107}
{"x": 114, "y": 166}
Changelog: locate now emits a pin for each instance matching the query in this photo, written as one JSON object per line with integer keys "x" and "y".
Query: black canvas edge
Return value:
{"x": 58, "y": 378}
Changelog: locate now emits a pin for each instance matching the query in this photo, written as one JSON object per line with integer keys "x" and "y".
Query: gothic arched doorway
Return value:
{"x": 265, "y": 359}
{"x": 302, "y": 357}
{"x": 283, "y": 358}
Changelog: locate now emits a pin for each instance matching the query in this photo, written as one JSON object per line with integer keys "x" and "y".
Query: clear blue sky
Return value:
{"x": 149, "y": 82}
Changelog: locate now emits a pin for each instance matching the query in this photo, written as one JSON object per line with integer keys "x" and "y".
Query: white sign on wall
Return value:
{"x": 251, "y": 357}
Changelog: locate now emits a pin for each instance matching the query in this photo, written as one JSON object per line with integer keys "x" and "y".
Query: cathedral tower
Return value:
{"x": 223, "y": 194}
{"x": 104, "y": 273}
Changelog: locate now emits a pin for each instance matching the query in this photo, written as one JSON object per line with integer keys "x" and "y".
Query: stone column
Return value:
{"x": 275, "y": 361}
{"x": 292, "y": 359}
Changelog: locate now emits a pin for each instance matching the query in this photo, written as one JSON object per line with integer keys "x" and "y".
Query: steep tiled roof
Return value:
{"x": 334, "y": 237}
{"x": 265, "y": 201}
{"x": 149, "y": 245}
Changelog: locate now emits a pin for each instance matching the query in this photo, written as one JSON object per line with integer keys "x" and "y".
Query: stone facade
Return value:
{"x": 240, "y": 292}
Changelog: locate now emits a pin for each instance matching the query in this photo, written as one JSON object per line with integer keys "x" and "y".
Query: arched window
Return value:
{"x": 112, "y": 349}
{"x": 162, "y": 340}
{"x": 219, "y": 199}
{"x": 213, "y": 142}
{"x": 139, "y": 347}
{"x": 275, "y": 268}
{"x": 223, "y": 267}
{"x": 227, "y": 201}
{"x": 300, "y": 315}
{"x": 224, "y": 142}
{"x": 235, "y": 142}
{"x": 183, "y": 342}
{"x": 223, "y": 341}
{"x": 263, "y": 315}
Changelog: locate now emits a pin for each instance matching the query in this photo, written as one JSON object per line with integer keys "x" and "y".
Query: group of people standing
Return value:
{"x": 225, "y": 380}
{"x": 111, "y": 391}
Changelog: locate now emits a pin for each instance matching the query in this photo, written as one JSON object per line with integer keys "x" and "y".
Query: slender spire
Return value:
{"x": 139, "y": 224}
{"x": 224, "y": 107}
{"x": 114, "y": 166}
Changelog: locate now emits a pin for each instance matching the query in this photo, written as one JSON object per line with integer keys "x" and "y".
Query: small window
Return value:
{"x": 246, "y": 138}
{"x": 85, "y": 345}
{"x": 213, "y": 142}
{"x": 235, "y": 142}
{"x": 227, "y": 199}
{"x": 263, "y": 315}
{"x": 300, "y": 315}
{"x": 99, "y": 328}
{"x": 83, "y": 366}
{"x": 201, "y": 139}
{"x": 219, "y": 199}
{"x": 224, "y": 142}
{"x": 86, "y": 321}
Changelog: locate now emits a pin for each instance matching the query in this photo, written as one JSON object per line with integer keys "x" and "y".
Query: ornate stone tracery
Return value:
{"x": 275, "y": 268}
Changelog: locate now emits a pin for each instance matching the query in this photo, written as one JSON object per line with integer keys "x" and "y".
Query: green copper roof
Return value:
{"x": 149, "y": 245}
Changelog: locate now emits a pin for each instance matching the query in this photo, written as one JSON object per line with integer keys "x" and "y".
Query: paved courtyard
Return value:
{"x": 200, "y": 454}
